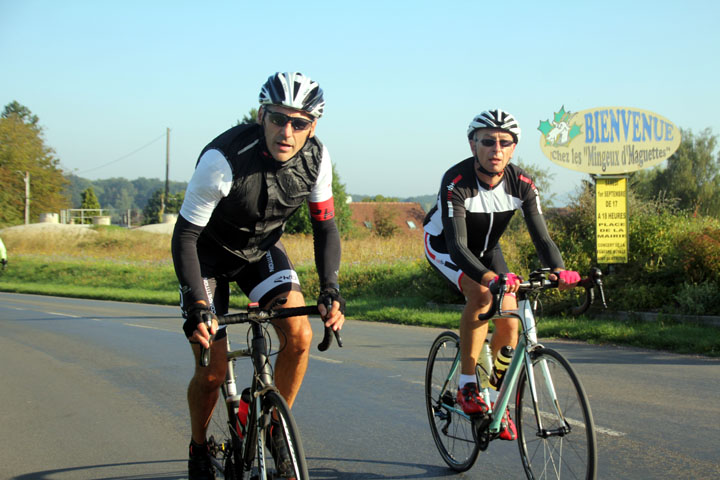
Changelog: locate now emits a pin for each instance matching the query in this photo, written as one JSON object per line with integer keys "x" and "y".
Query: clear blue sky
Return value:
{"x": 402, "y": 80}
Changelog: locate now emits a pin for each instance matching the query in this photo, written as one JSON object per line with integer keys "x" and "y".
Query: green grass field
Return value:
{"x": 384, "y": 280}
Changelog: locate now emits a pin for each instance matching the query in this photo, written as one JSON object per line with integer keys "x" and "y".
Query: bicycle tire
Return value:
{"x": 452, "y": 431}
{"x": 225, "y": 445}
{"x": 274, "y": 406}
{"x": 566, "y": 446}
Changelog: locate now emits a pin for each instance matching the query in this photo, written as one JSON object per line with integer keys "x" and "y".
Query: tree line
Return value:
{"x": 690, "y": 179}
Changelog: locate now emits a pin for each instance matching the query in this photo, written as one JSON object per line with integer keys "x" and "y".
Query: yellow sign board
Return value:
{"x": 611, "y": 223}
{"x": 608, "y": 140}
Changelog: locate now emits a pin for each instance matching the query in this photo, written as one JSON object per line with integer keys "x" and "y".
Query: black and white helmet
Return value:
{"x": 495, "y": 119}
{"x": 293, "y": 90}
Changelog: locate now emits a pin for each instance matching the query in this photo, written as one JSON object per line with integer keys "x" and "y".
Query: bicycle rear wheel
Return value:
{"x": 556, "y": 435}
{"x": 280, "y": 433}
{"x": 451, "y": 429}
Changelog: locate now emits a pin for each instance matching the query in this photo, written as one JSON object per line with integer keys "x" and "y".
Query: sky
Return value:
{"x": 402, "y": 80}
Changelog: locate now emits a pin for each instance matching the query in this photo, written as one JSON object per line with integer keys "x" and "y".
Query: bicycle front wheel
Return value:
{"x": 556, "y": 433}
{"x": 223, "y": 440}
{"x": 451, "y": 429}
{"x": 279, "y": 434}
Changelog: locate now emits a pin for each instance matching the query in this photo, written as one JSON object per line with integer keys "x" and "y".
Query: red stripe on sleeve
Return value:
{"x": 527, "y": 180}
{"x": 321, "y": 211}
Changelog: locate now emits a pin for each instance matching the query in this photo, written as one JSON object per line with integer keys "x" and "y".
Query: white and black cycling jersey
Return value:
{"x": 243, "y": 197}
{"x": 239, "y": 200}
{"x": 471, "y": 216}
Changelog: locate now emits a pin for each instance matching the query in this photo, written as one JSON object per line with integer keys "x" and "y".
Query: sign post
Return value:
{"x": 609, "y": 143}
{"x": 611, "y": 224}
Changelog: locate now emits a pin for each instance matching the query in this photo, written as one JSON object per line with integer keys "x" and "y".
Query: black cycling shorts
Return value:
{"x": 260, "y": 281}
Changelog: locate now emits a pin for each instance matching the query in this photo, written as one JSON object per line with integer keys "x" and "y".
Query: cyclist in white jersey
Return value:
{"x": 477, "y": 199}
{"x": 247, "y": 183}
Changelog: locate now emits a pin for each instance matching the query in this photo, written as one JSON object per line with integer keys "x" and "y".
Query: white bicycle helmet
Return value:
{"x": 495, "y": 119}
{"x": 293, "y": 90}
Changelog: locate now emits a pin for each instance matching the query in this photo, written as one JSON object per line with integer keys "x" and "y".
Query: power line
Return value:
{"x": 124, "y": 156}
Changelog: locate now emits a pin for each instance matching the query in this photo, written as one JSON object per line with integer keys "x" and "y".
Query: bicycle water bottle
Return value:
{"x": 502, "y": 362}
{"x": 485, "y": 364}
{"x": 243, "y": 412}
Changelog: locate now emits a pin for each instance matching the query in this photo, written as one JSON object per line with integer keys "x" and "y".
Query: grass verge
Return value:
{"x": 396, "y": 293}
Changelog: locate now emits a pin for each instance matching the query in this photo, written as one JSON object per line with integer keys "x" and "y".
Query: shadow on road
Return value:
{"x": 175, "y": 470}
{"x": 329, "y": 473}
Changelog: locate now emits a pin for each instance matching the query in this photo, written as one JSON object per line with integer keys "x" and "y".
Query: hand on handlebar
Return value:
{"x": 200, "y": 325}
{"x": 512, "y": 282}
{"x": 331, "y": 306}
{"x": 567, "y": 279}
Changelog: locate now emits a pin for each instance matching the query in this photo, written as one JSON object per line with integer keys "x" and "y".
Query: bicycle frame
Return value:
{"x": 547, "y": 393}
{"x": 527, "y": 342}
{"x": 262, "y": 381}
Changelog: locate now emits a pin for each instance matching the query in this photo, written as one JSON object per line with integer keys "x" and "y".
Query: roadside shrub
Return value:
{"x": 698, "y": 299}
{"x": 698, "y": 255}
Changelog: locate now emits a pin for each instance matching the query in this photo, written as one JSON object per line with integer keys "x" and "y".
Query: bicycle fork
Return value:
{"x": 550, "y": 389}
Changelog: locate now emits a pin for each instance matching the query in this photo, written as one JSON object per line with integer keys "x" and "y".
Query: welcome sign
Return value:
{"x": 608, "y": 140}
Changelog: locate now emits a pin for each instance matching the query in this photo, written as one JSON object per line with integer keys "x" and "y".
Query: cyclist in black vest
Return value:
{"x": 477, "y": 199}
{"x": 247, "y": 183}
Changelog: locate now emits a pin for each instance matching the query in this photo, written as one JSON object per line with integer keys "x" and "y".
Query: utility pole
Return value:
{"x": 26, "y": 177}
{"x": 167, "y": 165}
{"x": 164, "y": 197}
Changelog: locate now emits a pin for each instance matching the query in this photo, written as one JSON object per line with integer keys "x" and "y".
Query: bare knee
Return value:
{"x": 296, "y": 339}
{"x": 209, "y": 379}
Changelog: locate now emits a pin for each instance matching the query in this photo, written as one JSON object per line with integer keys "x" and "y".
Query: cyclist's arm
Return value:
{"x": 326, "y": 238}
{"x": 210, "y": 182}
{"x": 456, "y": 238}
{"x": 326, "y": 242}
{"x": 187, "y": 263}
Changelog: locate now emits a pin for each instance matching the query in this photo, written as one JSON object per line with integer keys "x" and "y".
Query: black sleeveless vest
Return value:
{"x": 264, "y": 193}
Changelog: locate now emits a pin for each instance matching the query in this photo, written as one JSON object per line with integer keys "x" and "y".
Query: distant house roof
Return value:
{"x": 408, "y": 216}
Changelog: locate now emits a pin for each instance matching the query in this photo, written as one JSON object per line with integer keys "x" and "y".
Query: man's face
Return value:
{"x": 492, "y": 148}
{"x": 285, "y": 141}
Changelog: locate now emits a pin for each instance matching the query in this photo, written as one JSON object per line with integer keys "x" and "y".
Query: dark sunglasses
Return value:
{"x": 280, "y": 119}
{"x": 490, "y": 142}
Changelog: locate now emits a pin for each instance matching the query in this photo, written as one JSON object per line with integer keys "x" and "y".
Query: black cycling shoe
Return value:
{"x": 199, "y": 466}
{"x": 279, "y": 451}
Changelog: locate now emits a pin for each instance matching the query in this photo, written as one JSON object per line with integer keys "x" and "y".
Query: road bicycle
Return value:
{"x": 242, "y": 451}
{"x": 555, "y": 428}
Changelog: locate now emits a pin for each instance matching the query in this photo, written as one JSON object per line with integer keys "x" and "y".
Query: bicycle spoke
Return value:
{"x": 452, "y": 430}
{"x": 556, "y": 434}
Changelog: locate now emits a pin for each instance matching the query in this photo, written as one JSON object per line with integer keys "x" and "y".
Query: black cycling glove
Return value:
{"x": 328, "y": 295}
{"x": 196, "y": 314}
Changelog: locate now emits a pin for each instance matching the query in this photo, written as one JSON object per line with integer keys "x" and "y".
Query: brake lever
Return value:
{"x": 205, "y": 352}
{"x": 327, "y": 340}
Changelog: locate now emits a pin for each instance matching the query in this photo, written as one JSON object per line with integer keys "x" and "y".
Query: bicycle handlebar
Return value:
{"x": 256, "y": 314}
{"x": 538, "y": 281}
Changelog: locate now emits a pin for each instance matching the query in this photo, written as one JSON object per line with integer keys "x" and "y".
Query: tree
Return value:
{"x": 380, "y": 199}
{"x": 543, "y": 180}
{"x": 89, "y": 202}
{"x": 250, "y": 117}
{"x": 691, "y": 175}
{"x": 342, "y": 210}
{"x": 384, "y": 219}
{"x": 151, "y": 212}
{"x": 23, "y": 151}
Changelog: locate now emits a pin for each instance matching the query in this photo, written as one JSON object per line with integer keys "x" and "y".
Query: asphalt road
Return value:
{"x": 96, "y": 390}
